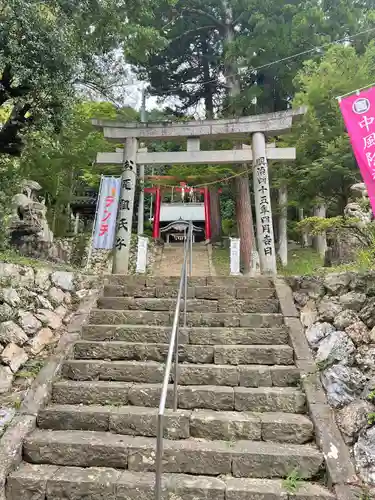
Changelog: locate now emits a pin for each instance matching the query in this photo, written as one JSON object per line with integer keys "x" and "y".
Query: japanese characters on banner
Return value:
{"x": 358, "y": 111}
{"x": 264, "y": 222}
{"x": 105, "y": 226}
{"x": 234, "y": 256}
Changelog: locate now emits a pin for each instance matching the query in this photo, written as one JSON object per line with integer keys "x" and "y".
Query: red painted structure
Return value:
{"x": 183, "y": 186}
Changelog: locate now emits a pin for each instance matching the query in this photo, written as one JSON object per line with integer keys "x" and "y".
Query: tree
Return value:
{"x": 49, "y": 49}
{"x": 325, "y": 165}
{"x": 224, "y": 41}
{"x": 63, "y": 163}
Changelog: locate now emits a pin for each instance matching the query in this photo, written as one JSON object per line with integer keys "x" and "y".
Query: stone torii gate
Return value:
{"x": 258, "y": 127}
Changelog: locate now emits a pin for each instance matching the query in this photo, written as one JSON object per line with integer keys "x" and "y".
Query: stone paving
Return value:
{"x": 173, "y": 257}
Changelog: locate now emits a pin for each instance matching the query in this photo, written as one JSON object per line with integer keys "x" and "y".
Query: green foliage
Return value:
{"x": 371, "y": 396}
{"x": 17, "y": 404}
{"x": 292, "y": 483}
{"x": 340, "y": 225}
{"x": 325, "y": 166}
{"x": 365, "y": 494}
{"x": 63, "y": 163}
{"x": 371, "y": 418}
{"x": 229, "y": 227}
{"x": 319, "y": 225}
{"x": 196, "y": 50}
{"x": 31, "y": 369}
{"x": 52, "y": 50}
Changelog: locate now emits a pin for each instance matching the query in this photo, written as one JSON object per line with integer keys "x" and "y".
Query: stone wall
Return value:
{"x": 35, "y": 306}
{"x": 101, "y": 260}
{"x": 338, "y": 313}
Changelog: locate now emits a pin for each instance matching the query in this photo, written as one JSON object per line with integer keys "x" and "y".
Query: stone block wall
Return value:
{"x": 338, "y": 313}
{"x": 35, "y": 304}
{"x": 101, "y": 260}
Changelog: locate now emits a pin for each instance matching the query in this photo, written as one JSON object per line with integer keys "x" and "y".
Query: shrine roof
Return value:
{"x": 83, "y": 201}
{"x": 270, "y": 124}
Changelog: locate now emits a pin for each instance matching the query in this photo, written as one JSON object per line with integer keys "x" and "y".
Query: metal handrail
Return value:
{"x": 173, "y": 351}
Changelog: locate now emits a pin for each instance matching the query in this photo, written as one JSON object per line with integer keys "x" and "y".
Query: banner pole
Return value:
{"x": 356, "y": 91}
{"x": 89, "y": 253}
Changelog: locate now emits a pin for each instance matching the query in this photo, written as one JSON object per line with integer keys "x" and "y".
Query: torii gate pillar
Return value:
{"x": 265, "y": 235}
{"x": 126, "y": 206}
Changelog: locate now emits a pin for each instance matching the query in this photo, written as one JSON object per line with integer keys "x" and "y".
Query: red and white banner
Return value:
{"x": 358, "y": 111}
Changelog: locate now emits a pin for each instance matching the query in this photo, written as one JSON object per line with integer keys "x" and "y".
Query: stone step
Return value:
{"x": 183, "y": 424}
{"x": 141, "y": 317}
{"x": 194, "y": 292}
{"x": 49, "y": 482}
{"x": 197, "y": 335}
{"x": 151, "y": 372}
{"x": 257, "y": 399}
{"x": 220, "y": 355}
{"x": 190, "y": 456}
{"x": 174, "y": 281}
{"x": 193, "y": 305}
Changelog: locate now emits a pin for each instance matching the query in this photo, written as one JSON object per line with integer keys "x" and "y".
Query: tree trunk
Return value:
{"x": 241, "y": 183}
{"x": 215, "y": 214}
{"x": 216, "y": 232}
{"x": 244, "y": 221}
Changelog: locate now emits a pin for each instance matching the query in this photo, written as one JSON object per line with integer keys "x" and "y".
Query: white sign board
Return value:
{"x": 142, "y": 254}
{"x": 234, "y": 256}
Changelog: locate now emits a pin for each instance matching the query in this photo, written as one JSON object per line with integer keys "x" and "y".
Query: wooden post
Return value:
{"x": 156, "y": 226}
{"x": 207, "y": 215}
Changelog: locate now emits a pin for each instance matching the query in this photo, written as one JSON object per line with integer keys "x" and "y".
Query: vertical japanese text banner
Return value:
{"x": 358, "y": 112}
{"x": 105, "y": 227}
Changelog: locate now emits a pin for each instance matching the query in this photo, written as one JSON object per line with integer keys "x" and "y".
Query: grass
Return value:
{"x": 301, "y": 262}
{"x": 31, "y": 368}
{"x": 221, "y": 261}
{"x": 292, "y": 482}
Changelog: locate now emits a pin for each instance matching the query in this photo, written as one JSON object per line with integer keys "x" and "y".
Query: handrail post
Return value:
{"x": 191, "y": 248}
{"x": 159, "y": 458}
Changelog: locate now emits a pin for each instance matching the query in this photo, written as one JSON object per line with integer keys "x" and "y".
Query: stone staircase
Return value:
{"x": 172, "y": 258}
{"x": 241, "y": 427}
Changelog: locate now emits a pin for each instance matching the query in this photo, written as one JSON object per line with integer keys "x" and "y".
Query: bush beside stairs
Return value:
{"x": 241, "y": 432}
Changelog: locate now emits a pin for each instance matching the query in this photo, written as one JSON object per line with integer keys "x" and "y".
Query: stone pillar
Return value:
{"x": 126, "y": 207}
{"x": 156, "y": 226}
{"x": 320, "y": 241}
{"x": 283, "y": 225}
{"x": 207, "y": 214}
{"x": 265, "y": 236}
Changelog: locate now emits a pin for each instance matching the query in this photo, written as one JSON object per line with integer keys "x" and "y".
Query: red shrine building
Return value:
{"x": 171, "y": 218}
